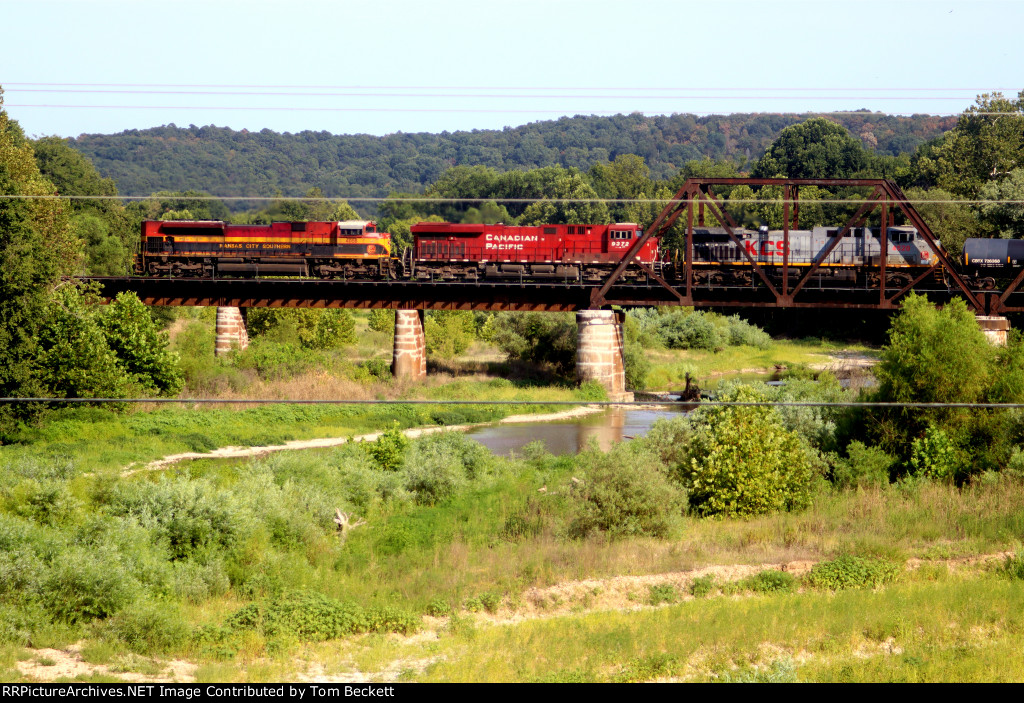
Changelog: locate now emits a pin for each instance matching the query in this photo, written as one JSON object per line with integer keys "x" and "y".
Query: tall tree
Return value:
{"x": 986, "y": 145}
{"x": 816, "y": 148}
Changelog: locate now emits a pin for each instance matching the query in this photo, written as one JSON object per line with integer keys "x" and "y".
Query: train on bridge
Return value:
{"x": 442, "y": 251}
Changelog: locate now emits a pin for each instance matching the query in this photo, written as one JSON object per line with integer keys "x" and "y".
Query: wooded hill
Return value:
{"x": 222, "y": 161}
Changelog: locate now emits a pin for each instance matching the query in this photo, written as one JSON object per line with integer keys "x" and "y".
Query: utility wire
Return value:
{"x": 346, "y": 401}
{"x": 415, "y": 199}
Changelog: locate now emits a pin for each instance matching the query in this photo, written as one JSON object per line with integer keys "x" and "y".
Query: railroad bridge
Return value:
{"x": 775, "y": 285}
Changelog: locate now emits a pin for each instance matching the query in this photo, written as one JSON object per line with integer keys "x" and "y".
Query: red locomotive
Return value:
{"x": 446, "y": 251}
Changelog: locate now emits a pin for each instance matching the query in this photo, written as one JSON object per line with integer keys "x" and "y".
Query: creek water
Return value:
{"x": 569, "y": 436}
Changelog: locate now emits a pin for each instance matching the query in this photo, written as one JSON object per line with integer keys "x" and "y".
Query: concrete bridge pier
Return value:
{"x": 231, "y": 331}
{"x": 996, "y": 329}
{"x": 410, "y": 355}
{"x": 599, "y": 349}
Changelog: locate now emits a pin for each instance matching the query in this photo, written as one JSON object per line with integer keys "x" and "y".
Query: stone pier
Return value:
{"x": 599, "y": 351}
{"x": 231, "y": 332}
{"x": 996, "y": 329}
{"x": 410, "y": 355}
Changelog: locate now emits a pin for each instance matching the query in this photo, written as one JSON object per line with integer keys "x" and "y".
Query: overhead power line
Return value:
{"x": 484, "y": 199}
{"x": 602, "y": 403}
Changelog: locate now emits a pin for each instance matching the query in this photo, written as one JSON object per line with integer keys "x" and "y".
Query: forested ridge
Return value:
{"x": 226, "y": 162}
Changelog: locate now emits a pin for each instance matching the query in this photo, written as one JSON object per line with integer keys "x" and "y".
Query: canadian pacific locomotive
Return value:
{"x": 446, "y": 251}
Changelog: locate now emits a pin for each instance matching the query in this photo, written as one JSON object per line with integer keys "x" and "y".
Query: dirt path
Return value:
{"x": 238, "y": 452}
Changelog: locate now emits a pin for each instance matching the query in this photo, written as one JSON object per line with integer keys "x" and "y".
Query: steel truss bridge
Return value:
{"x": 798, "y": 287}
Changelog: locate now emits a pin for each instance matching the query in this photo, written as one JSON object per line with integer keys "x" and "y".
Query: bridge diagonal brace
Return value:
{"x": 1011, "y": 288}
{"x": 664, "y": 284}
{"x": 856, "y": 221}
{"x": 897, "y": 194}
{"x": 667, "y": 216}
{"x": 905, "y": 289}
{"x": 729, "y": 224}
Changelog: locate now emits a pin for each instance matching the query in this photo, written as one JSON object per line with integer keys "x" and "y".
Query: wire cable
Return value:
{"x": 603, "y": 403}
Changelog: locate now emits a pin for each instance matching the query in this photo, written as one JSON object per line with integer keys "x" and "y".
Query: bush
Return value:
{"x": 388, "y": 450}
{"x": 382, "y": 320}
{"x": 662, "y": 593}
{"x": 625, "y": 492}
{"x": 542, "y": 338}
{"x": 147, "y": 627}
{"x": 692, "y": 331}
{"x": 769, "y": 581}
{"x": 311, "y": 328}
{"x": 314, "y": 617}
{"x": 852, "y": 572}
{"x": 864, "y": 467}
{"x": 379, "y": 368}
{"x": 82, "y": 587}
{"x": 703, "y": 586}
{"x": 1013, "y": 567}
{"x": 449, "y": 332}
{"x": 742, "y": 461}
{"x": 934, "y": 455}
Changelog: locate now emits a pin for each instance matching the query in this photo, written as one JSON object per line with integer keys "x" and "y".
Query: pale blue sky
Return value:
{"x": 451, "y": 65}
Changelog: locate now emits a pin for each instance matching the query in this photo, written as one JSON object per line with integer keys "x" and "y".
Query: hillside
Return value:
{"x": 226, "y": 162}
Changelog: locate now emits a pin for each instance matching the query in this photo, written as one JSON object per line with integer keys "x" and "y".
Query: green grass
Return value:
{"x": 669, "y": 367}
{"x": 951, "y": 630}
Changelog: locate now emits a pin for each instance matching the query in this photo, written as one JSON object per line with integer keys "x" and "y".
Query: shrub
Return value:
{"x": 314, "y": 617}
{"x": 382, "y": 320}
{"x": 848, "y": 571}
{"x": 388, "y": 450}
{"x": 625, "y": 492}
{"x": 934, "y": 455}
{"x": 81, "y": 587}
{"x": 311, "y": 328}
{"x": 864, "y": 467}
{"x": 703, "y": 586}
{"x": 636, "y": 366}
{"x": 769, "y": 581}
{"x": 1013, "y": 567}
{"x": 662, "y": 593}
{"x": 692, "y": 331}
{"x": 742, "y": 461}
{"x": 149, "y": 627}
{"x": 379, "y": 368}
{"x": 449, "y": 332}
{"x": 542, "y": 338}
{"x": 439, "y": 608}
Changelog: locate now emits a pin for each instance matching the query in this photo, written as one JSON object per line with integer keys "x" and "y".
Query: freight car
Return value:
{"x": 207, "y": 248}
{"x": 986, "y": 260}
{"x": 854, "y": 261}
{"x": 468, "y": 252}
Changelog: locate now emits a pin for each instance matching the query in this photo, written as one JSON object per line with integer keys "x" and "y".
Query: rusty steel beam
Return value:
{"x": 856, "y": 221}
{"x": 728, "y": 223}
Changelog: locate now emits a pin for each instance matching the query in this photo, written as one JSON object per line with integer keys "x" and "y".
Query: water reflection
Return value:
{"x": 569, "y": 436}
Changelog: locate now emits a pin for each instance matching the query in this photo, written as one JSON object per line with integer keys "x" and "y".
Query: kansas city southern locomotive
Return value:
{"x": 444, "y": 251}
{"x": 206, "y": 248}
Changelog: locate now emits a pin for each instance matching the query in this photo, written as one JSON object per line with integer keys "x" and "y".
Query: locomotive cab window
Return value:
{"x": 621, "y": 235}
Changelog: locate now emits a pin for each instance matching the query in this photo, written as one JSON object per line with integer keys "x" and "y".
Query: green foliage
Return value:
{"x": 934, "y": 455}
{"x": 679, "y": 328}
{"x": 81, "y": 587}
{"x": 382, "y": 320}
{"x": 769, "y": 581}
{"x": 864, "y": 467}
{"x": 141, "y": 348}
{"x": 703, "y": 586}
{"x": 1004, "y": 212}
{"x": 662, "y": 593}
{"x": 1013, "y": 567}
{"x": 449, "y": 332}
{"x": 265, "y": 163}
{"x": 816, "y": 148}
{"x": 624, "y": 492}
{"x": 313, "y": 617}
{"x": 849, "y": 571}
{"x": 986, "y": 144}
{"x": 545, "y": 339}
{"x": 636, "y": 366}
{"x": 149, "y": 626}
{"x": 742, "y": 461}
{"x": 439, "y": 608}
{"x": 388, "y": 450}
{"x": 311, "y": 328}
